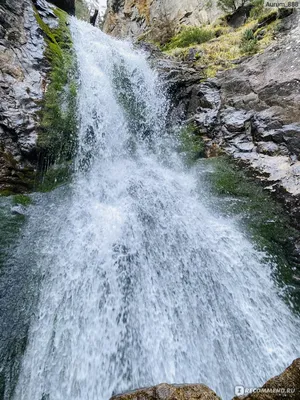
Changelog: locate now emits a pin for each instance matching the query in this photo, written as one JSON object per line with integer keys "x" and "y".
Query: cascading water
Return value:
{"x": 142, "y": 282}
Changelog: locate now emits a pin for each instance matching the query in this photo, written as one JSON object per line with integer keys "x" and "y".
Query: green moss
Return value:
{"x": 54, "y": 177}
{"x": 191, "y": 143}
{"x": 257, "y": 10}
{"x": 262, "y": 217}
{"x": 22, "y": 199}
{"x": 58, "y": 129}
{"x": 6, "y": 192}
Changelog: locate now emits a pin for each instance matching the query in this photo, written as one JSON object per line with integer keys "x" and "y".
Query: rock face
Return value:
{"x": 22, "y": 81}
{"x": 171, "y": 392}
{"x": 156, "y": 17}
{"x": 284, "y": 386}
{"x": 66, "y": 5}
{"x": 253, "y": 113}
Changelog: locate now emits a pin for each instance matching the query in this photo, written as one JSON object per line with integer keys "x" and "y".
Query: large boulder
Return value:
{"x": 283, "y": 386}
{"x": 170, "y": 392}
{"x": 22, "y": 83}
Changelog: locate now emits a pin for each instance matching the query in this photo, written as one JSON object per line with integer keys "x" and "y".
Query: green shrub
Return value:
{"x": 190, "y": 36}
{"x": 249, "y": 43}
{"x": 258, "y": 8}
{"x": 22, "y": 199}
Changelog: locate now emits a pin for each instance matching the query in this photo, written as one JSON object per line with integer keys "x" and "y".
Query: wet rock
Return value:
{"x": 23, "y": 80}
{"x": 291, "y": 136}
{"x": 18, "y": 210}
{"x": 253, "y": 113}
{"x": 66, "y": 5}
{"x": 235, "y": 120}
{"x": 268, "y": 148}
{"x": 283, "y": 386}
{"x": 170, "y": 392}
{"x": 207, "y": 103}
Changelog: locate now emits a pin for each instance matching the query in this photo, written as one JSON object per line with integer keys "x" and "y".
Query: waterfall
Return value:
{"x": 142, "y": 281}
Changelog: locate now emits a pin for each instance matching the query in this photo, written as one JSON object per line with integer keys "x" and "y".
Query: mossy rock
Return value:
{"x": 165, "y": 391}
{"x": 57, "y": 139}
{"x": 261, "y": 217}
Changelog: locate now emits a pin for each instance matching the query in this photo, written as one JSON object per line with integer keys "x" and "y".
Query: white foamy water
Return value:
{"x": 142, "y": 282}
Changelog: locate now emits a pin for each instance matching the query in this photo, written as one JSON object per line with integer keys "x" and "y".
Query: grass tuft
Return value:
{"x": 190, "y": 36}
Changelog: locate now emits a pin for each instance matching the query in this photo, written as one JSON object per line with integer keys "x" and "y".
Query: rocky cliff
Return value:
{"x": 22, "y": 83}
{"x": 252, "y": 112}
{"x": 66, "y": 5}
{"x": 156, "y": 18}
{"x": 30, "y": 53}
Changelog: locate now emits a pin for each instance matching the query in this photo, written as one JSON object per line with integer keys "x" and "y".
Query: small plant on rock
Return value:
{"x": 191, "y": 36}
{"x": 249, "y": 44}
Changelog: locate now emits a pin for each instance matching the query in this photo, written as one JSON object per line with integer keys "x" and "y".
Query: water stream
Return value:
{"x": 141, "y": 282}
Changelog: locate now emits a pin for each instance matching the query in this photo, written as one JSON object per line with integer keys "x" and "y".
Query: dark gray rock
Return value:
{"x": 291, "y": 136}
{"x": 23, "y": 80}
{"x": 165, "y": 391}
{"x": 239, "y": 16}
{"x": 66, "y": 5}
{"x": 235, "y": 120}
{"x": 269, "y": 148}
{"x": 253, "y": 113}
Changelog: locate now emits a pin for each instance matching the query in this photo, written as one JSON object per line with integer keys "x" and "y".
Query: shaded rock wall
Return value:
{"x": 284, "y": 386}
{"x": 25, "y": 84}
{"x": 136, "y": 17}
{"x": 252, "y": 112}
{"x": 66, "y": 5}
{"x": 22, "y": 83}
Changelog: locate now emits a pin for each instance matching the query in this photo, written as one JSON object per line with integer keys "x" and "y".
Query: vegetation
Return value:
{"x": 58, "y": 129}
{"x": 257, "y": 9}
{"x": 261, "y": 216}
{"x": 221, "y": 46}
{"x": 249, "y": 43}
{"x": 190, "y": 36}
{"x": 22, "y": 199}
{"x": 55, "y": 176}
{"x": 191, "y": 143}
